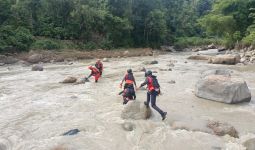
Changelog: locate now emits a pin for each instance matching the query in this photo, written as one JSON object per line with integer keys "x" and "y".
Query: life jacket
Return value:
{"x": 153, "y": 83}
{"x": 94, "y": 70}
{"x": 129, "y": 78}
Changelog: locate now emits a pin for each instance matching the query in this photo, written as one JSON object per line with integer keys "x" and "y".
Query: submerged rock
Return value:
{"x": 221, "y": 87}
{"x": 37, "y": 68}
{"x": 70, "y": 80}
{"x": 135, "y": 110}
{"x": 150, "y": 62}
{"x": 172, "y": 82}
{"x": 81, "y": 81}
{"x": 222, "y": 129}
{"x": 250, "y": 144}
{"x": 71, "y": 132}
{"x": 128, "y": 126}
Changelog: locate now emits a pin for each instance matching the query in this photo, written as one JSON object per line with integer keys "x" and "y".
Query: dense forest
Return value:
{"x": 106, "y": 24}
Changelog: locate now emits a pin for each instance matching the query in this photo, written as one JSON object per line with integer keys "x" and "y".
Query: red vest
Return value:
{"x": 150, "y": 84}
{"x": 94, "y": 70}
{"x": 129, "y": 79}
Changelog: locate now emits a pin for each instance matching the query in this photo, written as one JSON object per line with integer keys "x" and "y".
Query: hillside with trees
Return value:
{"x": 108, "y": 24}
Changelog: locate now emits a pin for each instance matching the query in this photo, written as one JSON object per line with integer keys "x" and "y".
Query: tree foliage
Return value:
{"x": 123, "y": 23}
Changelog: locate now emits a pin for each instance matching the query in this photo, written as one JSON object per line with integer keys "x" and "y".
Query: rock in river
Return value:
{"x": 136, "y": 110}
{"x": 70, "y": 80}
{"x": 35, "y": 58}
{"x": 225, "y": 59}
{"x": 37, "y": 68}
{"x": 222, "y": 87}
{"x": 222, "y": 129}
{"x": 150, "y": 62}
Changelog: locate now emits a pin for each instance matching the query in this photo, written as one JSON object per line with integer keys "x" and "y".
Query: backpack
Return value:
{"x": 155, "y": 82}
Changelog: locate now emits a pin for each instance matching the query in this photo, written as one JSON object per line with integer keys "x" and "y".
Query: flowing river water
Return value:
{"x": 35, "y": 109}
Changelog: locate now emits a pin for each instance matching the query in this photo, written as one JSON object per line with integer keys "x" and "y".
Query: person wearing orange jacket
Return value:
{"x": 153, "y": 91}
{"x": 129, "y": 80}
{"x": 99, "y": 66}
{"x": 94, "y": 72}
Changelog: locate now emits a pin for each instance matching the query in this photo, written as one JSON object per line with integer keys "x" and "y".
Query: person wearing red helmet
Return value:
{"x": 94, "y": 72}
{"x": 99, "y": 66}
{"x": 153, "y": 91}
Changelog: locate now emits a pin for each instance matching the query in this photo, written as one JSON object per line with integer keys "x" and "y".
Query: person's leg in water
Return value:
{"x": 97, "y": 76}
{"x": 148, "y": 100}
{"x": 125, "y": 100}
{"x": 134, "y": 95}
{"x": 153, "y": 105}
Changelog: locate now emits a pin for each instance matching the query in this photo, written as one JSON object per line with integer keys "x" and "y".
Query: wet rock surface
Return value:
{"x": 136, "y": 110}
{"x": 37, "y": 68}
{"x": 128, "y": 126}
{"x": 35, "y": 58}
{"x": 225, "y": 59}
{"x": 222, "y": 129}
{"x": 69, "y": 80}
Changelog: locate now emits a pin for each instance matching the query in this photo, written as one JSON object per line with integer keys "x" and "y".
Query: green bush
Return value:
{"x": 89, "y": 46}
{"x": 46, "y": 44}
{"x": 106, "y": 44}
{"x": 249, "y": 39}
{"x": 19, "y": 39}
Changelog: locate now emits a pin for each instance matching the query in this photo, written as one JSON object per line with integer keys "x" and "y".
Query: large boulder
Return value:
{"x": 135, "y": 110}
{"x": 35, "y": 58}
{"x": 199, "y": 57}
{"x": 69, "y": 80}
{"x": 222, "y": 87}
{"x": 225, "y": 59}
{"x": 37, "y": 68}
{"x": 250, "y": 144}
{"x": 222, "y": 129}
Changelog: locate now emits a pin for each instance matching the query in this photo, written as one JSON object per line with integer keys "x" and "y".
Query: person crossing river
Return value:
{"x": 94, "y": 72}
{"x": 99, "y": 66}
{"x": 153, "y": 91}
{"x": 129, "y": 80}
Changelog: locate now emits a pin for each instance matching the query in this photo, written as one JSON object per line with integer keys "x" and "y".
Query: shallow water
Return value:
{"x": 36, "y": 109}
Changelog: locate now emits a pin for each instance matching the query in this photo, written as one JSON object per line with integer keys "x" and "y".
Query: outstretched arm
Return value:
{"x": 144, "y": 83}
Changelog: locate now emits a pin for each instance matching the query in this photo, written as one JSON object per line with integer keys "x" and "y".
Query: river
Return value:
{"x": 36, "y": 109}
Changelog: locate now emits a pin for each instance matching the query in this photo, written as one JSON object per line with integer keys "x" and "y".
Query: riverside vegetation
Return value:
{"x": 108, "y": 24}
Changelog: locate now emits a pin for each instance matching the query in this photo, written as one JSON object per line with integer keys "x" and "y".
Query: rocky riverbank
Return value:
{"x": 34, "y": 57}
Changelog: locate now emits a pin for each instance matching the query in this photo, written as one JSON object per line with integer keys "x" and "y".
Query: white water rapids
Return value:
{"x": 35, "y": 109}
